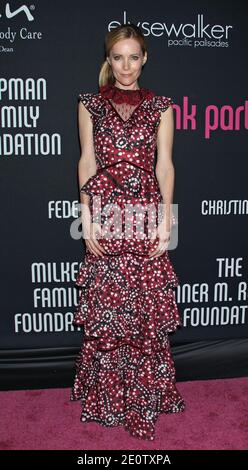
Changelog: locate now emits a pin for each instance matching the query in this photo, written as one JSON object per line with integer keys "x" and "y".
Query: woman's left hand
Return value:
{"x": 164, "y": 239}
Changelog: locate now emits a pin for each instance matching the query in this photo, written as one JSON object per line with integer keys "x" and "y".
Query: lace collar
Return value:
{"x": 119, "y": 95}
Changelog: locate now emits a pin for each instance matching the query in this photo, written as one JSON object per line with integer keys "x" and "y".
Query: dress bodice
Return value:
{"x": 125, "y": 127}
{"x": 118, "y": 138}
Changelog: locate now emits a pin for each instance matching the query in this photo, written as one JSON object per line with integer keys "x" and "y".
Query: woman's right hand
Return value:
{"x": 91, "y": 232}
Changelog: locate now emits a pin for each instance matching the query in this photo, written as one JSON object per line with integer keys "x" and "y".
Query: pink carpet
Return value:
{"x": 216, "y": 417}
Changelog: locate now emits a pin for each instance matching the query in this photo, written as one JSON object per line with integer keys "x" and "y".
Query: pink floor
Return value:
{"x": 216, "y": 417}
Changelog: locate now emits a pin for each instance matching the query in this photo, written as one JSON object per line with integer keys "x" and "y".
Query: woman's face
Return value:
{"x": 126, "y": 60}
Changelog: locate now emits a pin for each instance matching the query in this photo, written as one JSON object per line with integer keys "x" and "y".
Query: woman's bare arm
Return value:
{"x": 165, "y": 171}
{"x": 165, "y": 174}
{"x": 86, "y": 168}
{"x": 87, "y": 162}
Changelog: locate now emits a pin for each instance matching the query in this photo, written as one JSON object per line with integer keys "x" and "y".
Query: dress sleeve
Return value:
{"x": 87, "y": 100}
{"x": 93, "y": 103}
{"x": 163, "y": 102}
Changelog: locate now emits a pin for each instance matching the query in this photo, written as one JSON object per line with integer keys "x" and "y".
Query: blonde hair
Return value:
{"x": 122, "y": 31}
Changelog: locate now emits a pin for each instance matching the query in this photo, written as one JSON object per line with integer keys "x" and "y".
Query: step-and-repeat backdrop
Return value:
{"x": 49, "y": 53}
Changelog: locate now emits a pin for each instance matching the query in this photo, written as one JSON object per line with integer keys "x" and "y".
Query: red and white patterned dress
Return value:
{"x": 125, "y": 374}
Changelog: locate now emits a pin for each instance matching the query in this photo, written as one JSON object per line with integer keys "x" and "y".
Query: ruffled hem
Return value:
{"x": 127, "y": 270}
{"x": 127, "y": 300}
{"x": 126, "y": 388}
{"x": 137, "y": 327}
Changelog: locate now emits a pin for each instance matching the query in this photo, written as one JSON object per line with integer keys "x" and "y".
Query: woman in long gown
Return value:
{"x": 125, "y": 374}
